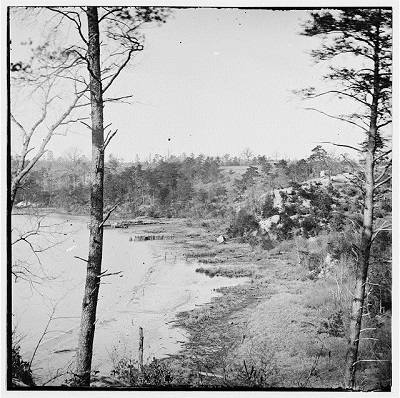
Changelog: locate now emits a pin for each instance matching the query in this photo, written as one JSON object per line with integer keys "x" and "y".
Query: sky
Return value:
{"x": 215, "y": 81}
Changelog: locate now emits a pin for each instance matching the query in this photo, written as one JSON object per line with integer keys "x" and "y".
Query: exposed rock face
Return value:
{"x": 267, "y": 223}
{"x": 278, "y": 200}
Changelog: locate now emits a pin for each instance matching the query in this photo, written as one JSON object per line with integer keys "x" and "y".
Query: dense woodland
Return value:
{"x": 184, "y": 186}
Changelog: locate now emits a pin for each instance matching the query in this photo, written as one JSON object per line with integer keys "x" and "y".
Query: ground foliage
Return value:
{"x": 21, "y": 371}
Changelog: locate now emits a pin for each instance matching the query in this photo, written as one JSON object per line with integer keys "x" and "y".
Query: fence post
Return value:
{"x": 141, "y": 338}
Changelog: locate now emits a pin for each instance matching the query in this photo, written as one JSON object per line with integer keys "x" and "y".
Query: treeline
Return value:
{"x": 185, "y": 186}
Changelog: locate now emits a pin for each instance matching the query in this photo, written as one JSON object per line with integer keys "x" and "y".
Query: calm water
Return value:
{"x": 148, "y": 293}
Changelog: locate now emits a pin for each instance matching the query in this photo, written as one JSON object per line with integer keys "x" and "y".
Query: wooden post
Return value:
{"x": 141, "y": 338}
{"x": 298, "y": 253}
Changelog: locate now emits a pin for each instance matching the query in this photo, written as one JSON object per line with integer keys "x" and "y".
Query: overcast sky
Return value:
{"x": 217, "y": 81}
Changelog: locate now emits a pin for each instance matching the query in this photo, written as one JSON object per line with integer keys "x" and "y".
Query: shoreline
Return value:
{"x": 156, "y": 285}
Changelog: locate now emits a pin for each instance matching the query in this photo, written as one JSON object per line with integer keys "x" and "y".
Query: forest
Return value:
{"x": 184, "y": 186}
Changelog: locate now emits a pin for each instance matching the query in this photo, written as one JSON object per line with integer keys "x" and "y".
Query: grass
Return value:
{"x": 292, "y": 326}
{"x": 200, "y": 245}
{"x": 207, "y": 253}
{"x": 281, "y": 320}
{"x": 230, "y": 272}
{"x": 211, "y": 260}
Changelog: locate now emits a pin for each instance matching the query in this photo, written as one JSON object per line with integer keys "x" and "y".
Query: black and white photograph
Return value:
{"x": 198, "y": 198}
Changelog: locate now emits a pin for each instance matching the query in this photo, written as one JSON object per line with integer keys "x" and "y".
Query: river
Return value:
{"x": 147, "y": 290}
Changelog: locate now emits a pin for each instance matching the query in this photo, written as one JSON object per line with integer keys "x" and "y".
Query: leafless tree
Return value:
{"x": 247, "y": 155}
{"x": 119, "y": 27}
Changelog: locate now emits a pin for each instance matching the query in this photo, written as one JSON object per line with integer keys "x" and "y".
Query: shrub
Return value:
{"x": 314, "y": 264}
{"x": 309, "y": 226}
{"x": 284, "y": 230}
{"x": 268, "y": 209}
{"x": 342, "y": 243}
{"x": 20, "y": 369}
{"x": 207, "y": 253}
{"x": 210, "y": 260}
{"x": 230, "y": 272}
{"x": 251, "y": 376}
{"x": 291, "y": 209}
{"x": 243, "y": 224}
{"x": 334, "y": 325}
{"x": 267, "y": 243}
{"x": 155, "y": 374}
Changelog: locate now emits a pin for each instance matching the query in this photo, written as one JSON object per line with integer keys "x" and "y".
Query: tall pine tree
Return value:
{"x": 366, "y": 34}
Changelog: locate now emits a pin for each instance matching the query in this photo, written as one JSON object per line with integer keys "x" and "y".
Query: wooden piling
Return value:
{"x": 140, "y": 353}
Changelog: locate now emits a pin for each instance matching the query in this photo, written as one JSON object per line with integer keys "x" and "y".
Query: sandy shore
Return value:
{"x": 153, "y": 285}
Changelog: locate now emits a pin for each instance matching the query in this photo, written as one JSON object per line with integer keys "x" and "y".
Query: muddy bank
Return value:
{"x": 267, "y": 333}
{"x": 151, "y": 284}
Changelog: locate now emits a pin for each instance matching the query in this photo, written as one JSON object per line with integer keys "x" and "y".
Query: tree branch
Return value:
{"x": 385, "y": 226}
{"x": 383, "y": 172}
{"x": 108, "y": 215}
{"x": 42, "y": 336}
{"x": 312, "y": 96}
{"x": 116, "y": 74}
{"x": 109, "y": 138}
{"x": 21, "y": 173}
{"x": 341, "y": 145}
{"x": 113, "y": 9}
{"x": 118, "y": 99}
{"x": 384, "y": 124}
{"x": 102, "y": 275}
{"x": 80, "y": 258}
{"x": 382, "y": 183}
{"x": 77, "y": 23}
{"x": 337, "y": 118}
{"x": 382, "y": 156}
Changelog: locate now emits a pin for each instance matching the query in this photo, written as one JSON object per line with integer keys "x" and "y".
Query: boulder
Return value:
{"x": 275, "y": 219}
{"x": 221, "y": 239}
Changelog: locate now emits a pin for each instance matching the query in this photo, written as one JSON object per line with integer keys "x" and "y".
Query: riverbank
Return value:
{"x": 149, "y": 283}
{"x": 267, "y": 332}
{"x": 276, "y": 328}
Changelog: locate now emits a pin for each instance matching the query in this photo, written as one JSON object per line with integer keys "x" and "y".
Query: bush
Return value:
{"x": 243, "y": 224}
{"x": 268, "y": 209}
{"x": 20, "y": 369}
{"x": 342, "y": 243}
{"x": 314, "y": 263}
{"x": 284, "y": 230}
{"x": 267, "y": 243}
{"x": 230, "y": 272}
{"x": 309, "y": 226}
{"x": 334, "y": 325}
{"x": 155, "y": 374}
{"x": 251, "y": 376}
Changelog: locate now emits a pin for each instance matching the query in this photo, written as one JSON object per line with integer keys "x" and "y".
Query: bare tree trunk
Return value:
{"x": 366, "y": 233}
{"x": 361, "y": 277}
{"x": 88, "y": 318}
